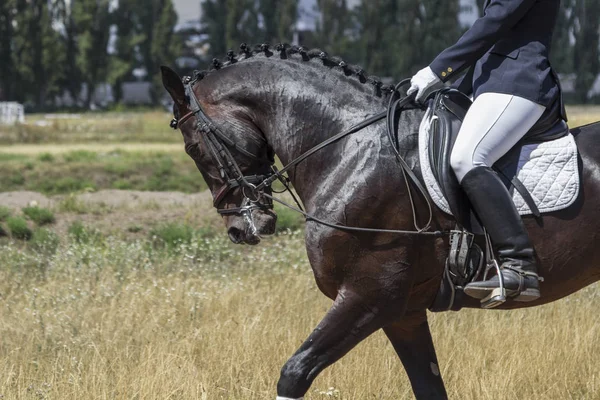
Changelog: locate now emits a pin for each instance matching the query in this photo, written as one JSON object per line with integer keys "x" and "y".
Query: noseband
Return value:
{"x": 219, "y": 146}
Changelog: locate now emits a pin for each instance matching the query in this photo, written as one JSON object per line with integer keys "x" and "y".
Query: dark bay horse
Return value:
{"x": 289, "y": 100}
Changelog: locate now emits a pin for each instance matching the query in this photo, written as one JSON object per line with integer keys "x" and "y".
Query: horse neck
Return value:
{"x": 306, "y": 104}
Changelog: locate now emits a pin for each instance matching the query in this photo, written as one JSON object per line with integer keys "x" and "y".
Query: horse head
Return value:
{"x": 259, "y": 102}
{"x": 233, "y": 157}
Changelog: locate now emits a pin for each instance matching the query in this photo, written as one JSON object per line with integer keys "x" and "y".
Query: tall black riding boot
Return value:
{"x": 494, "y": 206}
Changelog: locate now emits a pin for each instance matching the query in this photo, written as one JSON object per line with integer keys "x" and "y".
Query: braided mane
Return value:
{"x": 285, "y": 51}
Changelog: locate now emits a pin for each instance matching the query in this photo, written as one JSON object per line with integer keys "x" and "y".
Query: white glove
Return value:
{"x": 423, "y": 82}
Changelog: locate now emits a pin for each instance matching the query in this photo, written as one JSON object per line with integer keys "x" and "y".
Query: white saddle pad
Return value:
{"x": 548, "y": 170}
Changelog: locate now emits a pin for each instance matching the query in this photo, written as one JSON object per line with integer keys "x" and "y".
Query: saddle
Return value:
{"x": 541, "y": 172}
{"x": 449, "y": 109}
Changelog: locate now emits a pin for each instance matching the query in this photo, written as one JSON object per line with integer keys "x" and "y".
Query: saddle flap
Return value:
{"x": 449, "y": 108}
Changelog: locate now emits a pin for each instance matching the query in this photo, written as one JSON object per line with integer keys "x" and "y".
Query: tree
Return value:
{"x": 379, "y": 34}
{"x": 37, "y": 52}
{"x": 279, "y": 19}
{"x": 438, "y": 28}
{"x": 91, "y": 19}
{"x": 7, "y": 69}
{"x": 163, "y": 47}
{"x": 334, "y": 26}
{"x": 241, "y": 24}
{"x": 587, "y": 57}
{"x": 398, "y": 37}
{"x": 214, "y": 17}
{"x": 71, "y": 80}
{"x": 128, "y": 37}
{"x": 229, "y": 23}
{"x": 562, "y": 55}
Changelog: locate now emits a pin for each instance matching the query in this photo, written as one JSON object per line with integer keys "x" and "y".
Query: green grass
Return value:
{"x": 45, "y": 241}
{"x": 135, "y": 229}
{"x": 106, "y": 127}
{"x": 80, "y": 156}
{"x": 46, "y": 157}
{"x": 71, "y": 204}
{"x": 5, "y": 212}
{"x": 288, "y": 220}
{"x": 18, "y": 228}
{"x": 84, "y": 170}
{"x": 41, "y": 216}
{"x": 80, "y": 233}
{"x": 172, "y": 234}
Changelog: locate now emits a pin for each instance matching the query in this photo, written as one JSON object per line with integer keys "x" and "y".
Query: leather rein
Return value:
{"x": 256, "y": 189}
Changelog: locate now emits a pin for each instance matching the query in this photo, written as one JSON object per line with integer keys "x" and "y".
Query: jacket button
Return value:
{"x": 444, "y": 74}
{"x": 450, "y": 70}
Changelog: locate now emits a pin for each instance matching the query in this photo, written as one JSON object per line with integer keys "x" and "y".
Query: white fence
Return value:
{"x": 11, "y": 113}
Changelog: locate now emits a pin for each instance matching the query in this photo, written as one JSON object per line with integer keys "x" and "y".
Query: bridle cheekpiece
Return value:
{"x": 253, "y": 187}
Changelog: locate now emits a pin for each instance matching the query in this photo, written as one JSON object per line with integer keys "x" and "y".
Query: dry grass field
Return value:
{"x": 115, "y": 310}
{"x": 145, "y": 298}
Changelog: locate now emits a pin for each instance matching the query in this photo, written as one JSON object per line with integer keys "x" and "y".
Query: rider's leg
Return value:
{"x": 493, "y": 125}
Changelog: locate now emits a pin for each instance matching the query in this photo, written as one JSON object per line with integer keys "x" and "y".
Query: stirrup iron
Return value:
{"x": 498, "y": 296}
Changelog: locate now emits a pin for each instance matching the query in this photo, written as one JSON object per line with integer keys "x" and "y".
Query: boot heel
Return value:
{"x": 495, "y": 299}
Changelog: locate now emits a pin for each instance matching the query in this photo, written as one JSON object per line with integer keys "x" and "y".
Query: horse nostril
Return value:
{"x": 236, "y": 235}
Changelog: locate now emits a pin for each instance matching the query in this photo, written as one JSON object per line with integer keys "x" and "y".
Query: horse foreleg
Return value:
{"x": 347, "y": 323}
{"x": 412, "y": 341}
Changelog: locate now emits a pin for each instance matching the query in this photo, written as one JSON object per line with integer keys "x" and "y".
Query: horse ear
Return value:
{"x": 172, "y": 82}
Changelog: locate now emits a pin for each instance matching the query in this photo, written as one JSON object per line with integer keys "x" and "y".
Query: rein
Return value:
{"x": 255, "y": 187}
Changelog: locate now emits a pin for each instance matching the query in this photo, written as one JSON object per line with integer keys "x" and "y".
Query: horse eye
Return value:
{"x": 193, "y": 150}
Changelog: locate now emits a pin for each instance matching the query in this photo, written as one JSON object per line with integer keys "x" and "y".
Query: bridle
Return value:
{"x": 219, "y": 146}
{"x": 257, "y": 189}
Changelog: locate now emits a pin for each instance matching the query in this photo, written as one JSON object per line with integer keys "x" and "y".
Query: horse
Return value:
{"x": 287, "y": 100}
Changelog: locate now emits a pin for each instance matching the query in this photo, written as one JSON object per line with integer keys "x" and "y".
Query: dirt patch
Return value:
{"x": 33, "y": 149}
{"x": 110, "y": 198}
{"x": 134, "y": 199}
{"x": 24, "y": 199}
{"x": 122, "y": 212}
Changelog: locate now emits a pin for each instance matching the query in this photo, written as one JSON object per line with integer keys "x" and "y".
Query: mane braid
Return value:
{"x": 286, "y": 51}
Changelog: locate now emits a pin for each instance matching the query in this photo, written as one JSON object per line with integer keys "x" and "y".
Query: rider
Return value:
{"x": 512, "y": 83}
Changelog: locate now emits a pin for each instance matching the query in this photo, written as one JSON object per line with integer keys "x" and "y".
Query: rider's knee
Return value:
{"x": 460, "y": 164}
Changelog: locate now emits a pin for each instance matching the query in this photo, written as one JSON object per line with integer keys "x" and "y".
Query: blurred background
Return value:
{"x": 59, "y": 54}
{"x": 117, "y": 278}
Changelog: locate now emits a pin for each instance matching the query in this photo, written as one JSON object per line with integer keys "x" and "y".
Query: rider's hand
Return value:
{"x": 423, "y": 82}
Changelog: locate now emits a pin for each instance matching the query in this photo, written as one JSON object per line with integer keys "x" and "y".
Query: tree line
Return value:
{"x": 396, "y": 38}
{"x": 49, "y": 47}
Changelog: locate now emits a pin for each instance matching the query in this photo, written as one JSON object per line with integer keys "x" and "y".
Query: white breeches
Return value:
{"x": 493, "y": 125}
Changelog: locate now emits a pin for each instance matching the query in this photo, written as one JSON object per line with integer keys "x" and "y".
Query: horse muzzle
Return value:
{"x": 241, "y": 236}
{"x": 250, "y": 226}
